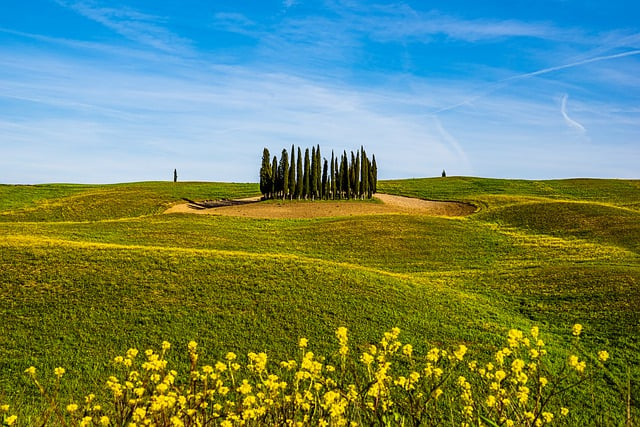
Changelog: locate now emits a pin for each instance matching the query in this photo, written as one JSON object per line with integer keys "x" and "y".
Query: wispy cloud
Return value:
{"x": 289, "y": 3}
{"x": 490, "y": 88}
{"x": 145, "y": 29}
{"x": 399, "y": 21}
{"x": 572, "y": 123}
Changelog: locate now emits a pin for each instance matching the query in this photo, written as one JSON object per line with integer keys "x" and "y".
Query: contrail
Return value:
{"x": 573, "y": 64}
{"x": 501, "y": 83}
{"x": 569, "y": 120}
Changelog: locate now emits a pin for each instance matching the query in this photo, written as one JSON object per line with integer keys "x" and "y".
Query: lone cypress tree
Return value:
{"x": 175, "y": 175}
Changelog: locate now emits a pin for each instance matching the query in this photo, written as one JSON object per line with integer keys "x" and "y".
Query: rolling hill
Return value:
{"x": 90, "y": 270}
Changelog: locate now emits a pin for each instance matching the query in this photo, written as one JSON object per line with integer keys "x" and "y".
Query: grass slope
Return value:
{"x": 88, "y": 271}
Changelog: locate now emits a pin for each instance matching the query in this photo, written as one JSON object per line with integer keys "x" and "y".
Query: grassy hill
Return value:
{"x": 91, "y": 270}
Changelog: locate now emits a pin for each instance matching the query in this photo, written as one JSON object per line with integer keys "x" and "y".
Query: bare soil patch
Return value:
{"x": 253, "y": 208}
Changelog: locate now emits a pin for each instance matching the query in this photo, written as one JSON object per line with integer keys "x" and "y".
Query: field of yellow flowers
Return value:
{"x": 91, "y": 271}
{"x": 388, "y": 383}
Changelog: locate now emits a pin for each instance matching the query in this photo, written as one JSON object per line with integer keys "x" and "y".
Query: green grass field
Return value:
{"x": 88, "y": 271}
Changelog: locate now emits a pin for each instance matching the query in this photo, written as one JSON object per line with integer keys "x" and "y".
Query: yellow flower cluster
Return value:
{"x": 387, "y": 383}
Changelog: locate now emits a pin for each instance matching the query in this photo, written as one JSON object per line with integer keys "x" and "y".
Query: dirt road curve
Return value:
{"x": 390, "y": 204}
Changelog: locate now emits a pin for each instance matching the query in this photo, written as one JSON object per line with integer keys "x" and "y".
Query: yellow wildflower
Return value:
{"x": 10, "y": 420}
{"x": 341, "y": 334}
{"x": 517, "y": 365}
{"x": 603, "y": 355}
{"x": 433, "y": 355}
{"x": 523, "y": 394}
{"x": 245, "y": 388}
{"x": 460, "y": 352}
{"x": 139, "y": 414}
{"x": 573, "y": 361}
{"x": 577, "y": 329}
{"x": 564, "y": 411}
{"x": 303, "y": 343}
{"x": 407, "y": 350}
{"x": 534, "y": 332}
{"x": 31, "y": 370}
{"x": 72, "y": 407}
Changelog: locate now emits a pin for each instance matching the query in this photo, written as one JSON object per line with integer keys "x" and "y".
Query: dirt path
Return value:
{"x": 273, "y": 209}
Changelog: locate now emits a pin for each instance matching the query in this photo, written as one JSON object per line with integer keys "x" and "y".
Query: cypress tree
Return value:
{"x": 332, "y": 185}
{"x": 364, "y": 173}
{"x": 274, "y": 179}
{"x": 356, "y": 176}
{"x": 284, "y": 172}
{"x": 338, "y": 194}
{"x": 292, "y": 174}
{"x": 265, "y": 173}
{"x": 346, "y": 176}
{"x": 318, "y": 183}
{"x": 313, "y": 182}
{"x": 307, "y": 169}
{"x": 374, "y": 175}
{"x": 324, "y": 192}
{"x": 299, "y": 175}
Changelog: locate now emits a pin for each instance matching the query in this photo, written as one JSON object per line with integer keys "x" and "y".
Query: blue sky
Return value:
{"x": 97, "y": 91}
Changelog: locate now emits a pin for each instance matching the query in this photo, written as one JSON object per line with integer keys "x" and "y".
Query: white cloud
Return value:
{"x": 572, "y": 123}
{"x": 139, "y": 27}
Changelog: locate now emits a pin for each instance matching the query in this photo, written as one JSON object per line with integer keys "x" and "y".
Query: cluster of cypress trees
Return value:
{"x": 316, "y": 178}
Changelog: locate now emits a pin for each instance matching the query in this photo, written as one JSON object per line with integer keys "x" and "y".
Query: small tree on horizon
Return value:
{"x": 175, "y": 175}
